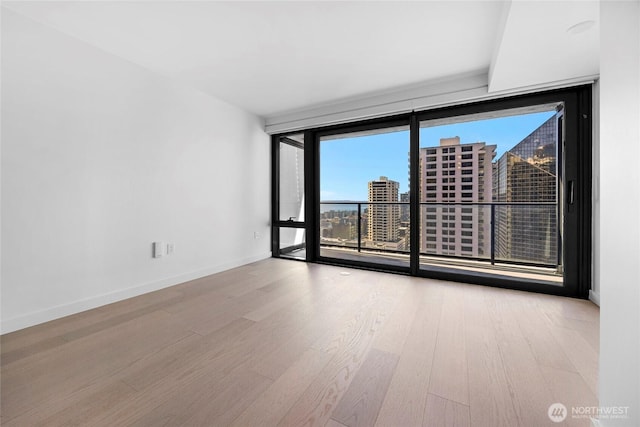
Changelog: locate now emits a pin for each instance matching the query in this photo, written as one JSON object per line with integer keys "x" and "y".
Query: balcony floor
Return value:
{"x": 458, "y": 265}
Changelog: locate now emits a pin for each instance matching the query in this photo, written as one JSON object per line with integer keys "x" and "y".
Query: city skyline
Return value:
{"x": 348, "y": 164}
{"x": 454, "y": 175}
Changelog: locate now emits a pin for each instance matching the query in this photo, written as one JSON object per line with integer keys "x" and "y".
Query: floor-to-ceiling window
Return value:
{"x": 494, "y": 192}
{"x": 289, "y": 234}
{"x": 364, "y": 195}
{"x": 489, "y": 187}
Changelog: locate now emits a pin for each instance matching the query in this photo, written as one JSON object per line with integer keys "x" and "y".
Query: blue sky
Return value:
{"x": 348, "y": 164}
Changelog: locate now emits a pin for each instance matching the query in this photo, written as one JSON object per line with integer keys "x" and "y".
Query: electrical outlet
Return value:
{"x": 257, "y": 235}
{"x": 170, "y": 248}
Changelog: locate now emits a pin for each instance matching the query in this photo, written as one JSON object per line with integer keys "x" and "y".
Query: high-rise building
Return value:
{"x": 451, "y": 175}
{"x": 404, "y": 209}
{"x": 383, "y": 219}
{"x": 528, "y": 173}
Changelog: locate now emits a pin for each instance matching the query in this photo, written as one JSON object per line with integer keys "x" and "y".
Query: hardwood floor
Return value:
{"x": 287, "y": 343}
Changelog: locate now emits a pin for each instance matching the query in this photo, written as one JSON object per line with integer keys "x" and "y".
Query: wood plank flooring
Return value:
{"x": 284, "y": 343}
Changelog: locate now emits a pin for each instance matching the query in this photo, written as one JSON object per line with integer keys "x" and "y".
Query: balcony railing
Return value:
{"x": 522, "y": 233}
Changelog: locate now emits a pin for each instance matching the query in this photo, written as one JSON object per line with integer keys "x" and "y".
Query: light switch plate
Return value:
{"x": 158, "y": 249}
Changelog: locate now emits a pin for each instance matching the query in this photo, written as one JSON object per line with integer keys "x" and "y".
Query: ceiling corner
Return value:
{"x": 543, "y": 44}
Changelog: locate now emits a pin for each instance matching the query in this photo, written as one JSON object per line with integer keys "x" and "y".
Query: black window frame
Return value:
{"x": 576, "y": 195}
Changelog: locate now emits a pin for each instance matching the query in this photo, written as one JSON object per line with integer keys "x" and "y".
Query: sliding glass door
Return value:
{"x": 495, "y": 192}
{"x": 364, "y": 196}
{"x": 490, "y": 186}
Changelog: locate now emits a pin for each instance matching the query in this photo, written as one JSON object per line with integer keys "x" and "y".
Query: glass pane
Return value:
{"x": 339, "y": 225}
{"x": 454, "y": 230}
{"x": 364, "y": 188}
{"x": 489, "y": 188}
{"x": 292, "y": 243}
{"x": 292, "y": 178}
{"x": 527, "y": 234}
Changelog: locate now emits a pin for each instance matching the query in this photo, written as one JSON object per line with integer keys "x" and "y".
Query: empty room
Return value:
{"x": 323, "y": 213}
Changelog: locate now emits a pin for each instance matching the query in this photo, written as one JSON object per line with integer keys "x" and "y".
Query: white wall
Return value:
{"x": 619, "y": 278}
{"x": 100, "y": 158}
{"x": 594, "y": 293}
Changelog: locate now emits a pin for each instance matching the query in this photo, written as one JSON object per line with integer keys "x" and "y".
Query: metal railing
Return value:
{"x": 518, "y": 228}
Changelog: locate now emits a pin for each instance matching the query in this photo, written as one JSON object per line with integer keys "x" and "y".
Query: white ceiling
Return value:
{"x": 272, "y": 57}
{"x": 536, "y": 48}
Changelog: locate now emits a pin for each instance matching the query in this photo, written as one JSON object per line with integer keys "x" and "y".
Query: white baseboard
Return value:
{"x": 38, "y": 317}
{"x": 594, "y": 297}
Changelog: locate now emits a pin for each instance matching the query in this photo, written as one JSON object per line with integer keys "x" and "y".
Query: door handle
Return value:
{"x": 571, "y": 198}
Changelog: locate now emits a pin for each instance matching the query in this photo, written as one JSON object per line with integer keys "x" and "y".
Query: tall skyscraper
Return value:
{"x": 528, "y": 173}
{"x": 383, "y": 219}
{"x": 405, "y": 211}
{"x": 452, "y": 174}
